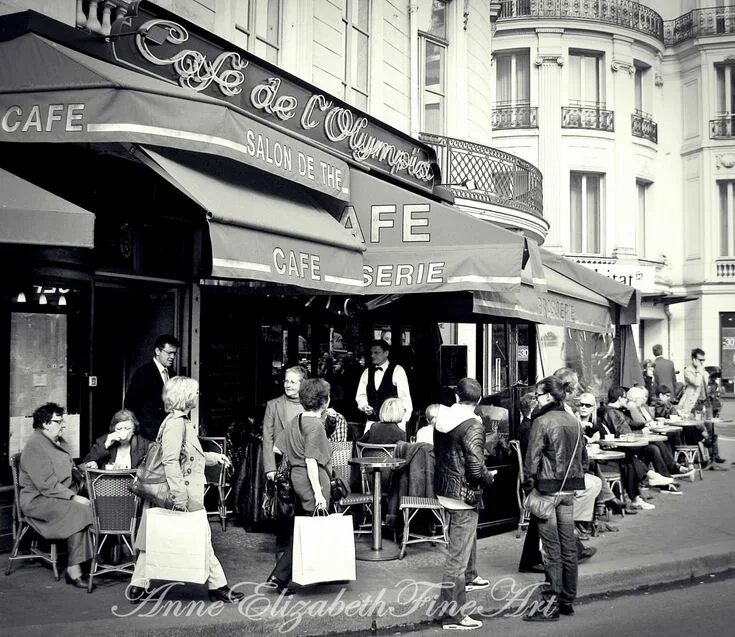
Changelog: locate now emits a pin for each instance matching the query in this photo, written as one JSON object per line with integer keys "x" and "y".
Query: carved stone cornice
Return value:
{"x": 726, "y": 160}
{"x": 549, "y": 58}
{"x": 622, "y": 65}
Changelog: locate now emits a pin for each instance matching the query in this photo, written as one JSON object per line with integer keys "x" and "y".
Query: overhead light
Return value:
{"x": 42, "y": 299}
{"x": 62, "y": 300}
{"x": 21, "y": 297}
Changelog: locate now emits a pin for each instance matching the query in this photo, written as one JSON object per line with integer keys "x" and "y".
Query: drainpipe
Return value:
{"x": 415, "y": 122}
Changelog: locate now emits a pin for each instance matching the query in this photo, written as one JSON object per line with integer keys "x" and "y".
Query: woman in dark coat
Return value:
{"x": 304, "y": 442}
{"x": 48, "y": 490}
{"x": 122, "y": 447}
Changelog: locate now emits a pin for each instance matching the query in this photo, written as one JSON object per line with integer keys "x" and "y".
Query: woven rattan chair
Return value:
{"x": 341, "y": 454}
{"x": 114, "y": 509}
{"x": 691, "y": 456}
{"x": 410, "y": 506}
{"x": 21, "y": 528}
{"x": 217, "y": 477}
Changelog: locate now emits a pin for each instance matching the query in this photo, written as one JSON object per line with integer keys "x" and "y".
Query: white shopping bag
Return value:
{"x": 323, "y": 549}
{"x": 177, "y": 545}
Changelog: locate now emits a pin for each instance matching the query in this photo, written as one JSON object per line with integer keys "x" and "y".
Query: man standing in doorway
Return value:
{"x": 664, "y": 372}
{"x": 380, "y": 381}
{"x": 144, "y": 394}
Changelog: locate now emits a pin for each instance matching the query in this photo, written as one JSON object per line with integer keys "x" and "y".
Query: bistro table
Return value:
{"x": 665, "y": 429}
{"x": 376, "y": 552}
{"x": 628, "y": 443}
{"x": 604, "y": 455}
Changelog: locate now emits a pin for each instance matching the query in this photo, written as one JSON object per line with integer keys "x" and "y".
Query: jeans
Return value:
{"x": 559, "y": 550}
{"x": 460, "y": 567}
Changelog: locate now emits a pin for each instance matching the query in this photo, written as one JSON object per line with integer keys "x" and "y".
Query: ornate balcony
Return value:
{"x": 642, "y": 125}
{"x": 494, "y": 184}
{"x": 723, "y": 127}
{"x": 700, "y": 23}
{"x": 725, "y": 268}
{"x": 623, "y": 13}
{"x": 514, "y": 116}
{"x": 592, "y": 117}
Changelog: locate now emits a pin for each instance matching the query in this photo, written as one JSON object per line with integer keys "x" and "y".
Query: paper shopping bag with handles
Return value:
{"x": 323, "y": 549}
{"x": 177, "y": 545}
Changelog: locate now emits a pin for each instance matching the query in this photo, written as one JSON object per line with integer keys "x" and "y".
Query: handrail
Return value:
{"x": 700, "y": 23}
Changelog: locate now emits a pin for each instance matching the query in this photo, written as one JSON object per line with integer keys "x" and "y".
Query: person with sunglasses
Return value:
{"x": 695, "y": 384}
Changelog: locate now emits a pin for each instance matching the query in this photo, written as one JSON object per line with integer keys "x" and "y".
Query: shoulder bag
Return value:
{"x": 150, "y": 479}
{"x": 543, "y": 506}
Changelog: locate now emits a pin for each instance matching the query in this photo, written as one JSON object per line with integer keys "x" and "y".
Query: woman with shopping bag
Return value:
{"x": 305, "y": 445}
{"x": 183, "y": 462}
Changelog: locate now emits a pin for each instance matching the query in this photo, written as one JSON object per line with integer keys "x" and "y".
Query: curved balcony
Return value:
{"x": 592, "y": 117}
{"x": 643, "y": 126}
{"x": 493, "y": 184}
{"x": 508, "y": 117}
{"x": 723, "y": 127}
{"x": 623, "y": 13}
{"x": 700, "y": 23}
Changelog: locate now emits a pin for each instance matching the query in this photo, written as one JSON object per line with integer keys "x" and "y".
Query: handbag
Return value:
{"x": 177, "y": 545}
{"x": 269, "y": 506}
{"x": 323, "y": 548}
{"x": 337, "y": 488}
{"x": 150, "y": 478}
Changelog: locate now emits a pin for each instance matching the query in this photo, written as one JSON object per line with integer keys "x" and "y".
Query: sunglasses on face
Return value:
{"x": 586, "y": 405}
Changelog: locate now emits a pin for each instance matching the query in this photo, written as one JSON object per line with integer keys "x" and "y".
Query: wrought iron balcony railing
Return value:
{"x": 642, "y": 125}
{"x": 591, "y": 117}
{"x": 488, "y": 175}
{"x": 507, "y": 116}
{"x": 700, "y": 23}
{"x": 623, "y": 13}
{"x": 723, "y": 127}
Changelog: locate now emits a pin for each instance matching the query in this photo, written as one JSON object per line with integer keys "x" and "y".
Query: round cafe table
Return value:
{"x": 617, "y": 443}
{"x": 376, "y": 552}
{"x": 605, "y": 455}
{"x": 665, "y": 429}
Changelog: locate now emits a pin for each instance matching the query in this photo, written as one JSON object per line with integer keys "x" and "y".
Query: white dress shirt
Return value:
{"x": 400, "y": 381}
{"x": 163, "y": 371}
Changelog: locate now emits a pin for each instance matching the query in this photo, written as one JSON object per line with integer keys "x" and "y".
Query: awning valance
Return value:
{"x": 271, "y": 235}
{"x": 34, "y": 216}
{"x": 53, "y": 94}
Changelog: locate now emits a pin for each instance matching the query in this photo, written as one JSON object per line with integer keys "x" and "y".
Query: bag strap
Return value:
{"x": 571, "y": 460}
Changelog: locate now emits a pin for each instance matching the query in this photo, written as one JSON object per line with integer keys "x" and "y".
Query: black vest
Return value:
{"x": 386, "y": 389}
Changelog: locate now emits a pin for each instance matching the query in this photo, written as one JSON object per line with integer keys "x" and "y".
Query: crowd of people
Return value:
{"x": 561, "y": 427}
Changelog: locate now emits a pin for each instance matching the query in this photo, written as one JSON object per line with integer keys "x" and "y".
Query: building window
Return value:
{"x": 585, "y": 202}
{"x": 586, "y": 87}
{"x": 433, "y": 59}
{"x": 513, "y": 72}
{"x": 642, "y": 188}
{"x": 727, "y": 222}
{"x": 723, "y": 126}
{"x": 356, "y": 20}
{"x": 258, "y": 27}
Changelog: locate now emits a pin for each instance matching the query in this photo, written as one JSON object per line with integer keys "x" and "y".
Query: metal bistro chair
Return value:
{"x": 114, "y": 509}
{"x": 217, "y": 477}
{"x": 21, "y": 527}
{"x": 525, "y": 516}
{"x": 411, "y": 505}
{"x": 692, "y": 456}
{"x": 341, "y": 453}
{"x": 367, "y": 449}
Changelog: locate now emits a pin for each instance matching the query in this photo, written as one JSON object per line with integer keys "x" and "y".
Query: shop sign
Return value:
{"x": 168, "y": 50}
{"x": 642, "y": 277}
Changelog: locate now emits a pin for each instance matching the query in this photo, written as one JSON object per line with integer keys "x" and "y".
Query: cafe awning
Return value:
{"x": 266, "y": 234}
{"x": 54, "y": 94}
{"x": 34, "y": 216}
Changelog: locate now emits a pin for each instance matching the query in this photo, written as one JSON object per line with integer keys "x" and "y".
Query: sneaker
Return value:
{"x": 477, "y": 584}
{"x": 586, "y": 553}
{"x": 639, "y": 503}
{"x": 683, "y": 470}
{"x": 671, "y": 490}
{"x": 657, "y": 480}
{"x": 544, "y": 615}
{"x": 566, "y": 609}
{"x": 719, "y": 460}
{"x": 467, "y": 623}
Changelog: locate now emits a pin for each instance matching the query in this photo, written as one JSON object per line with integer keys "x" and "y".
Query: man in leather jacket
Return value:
{"x": 611, "y": 419}
{"x": 459, "y": 477}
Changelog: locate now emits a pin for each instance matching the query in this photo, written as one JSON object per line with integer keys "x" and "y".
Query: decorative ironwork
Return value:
{"x": 592, "y": 117}
{"x": 499, "y": 177}
{"x": 700, "y": 23}
{"x": 642, "y": 125}
{"x": 505, "y": 117}
{"x": 624, "y": 13}
{"x": 722, "y": 127}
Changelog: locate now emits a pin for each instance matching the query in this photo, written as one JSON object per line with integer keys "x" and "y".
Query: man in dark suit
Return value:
{"x": 663, "y": 373}
{"x": 144, "y": 394}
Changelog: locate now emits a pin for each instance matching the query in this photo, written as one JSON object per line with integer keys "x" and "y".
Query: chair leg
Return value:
{"x": 16, "y": 548}
{"x": 406, "y": 525}
{"x": 55, "y": 560}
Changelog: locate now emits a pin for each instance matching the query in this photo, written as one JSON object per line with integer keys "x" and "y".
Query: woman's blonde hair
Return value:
{"x": 392, "y": 410}
{"x": 637, "y": 394}
{"x": 593, "y": 413}
{"x": 180, "y": 394}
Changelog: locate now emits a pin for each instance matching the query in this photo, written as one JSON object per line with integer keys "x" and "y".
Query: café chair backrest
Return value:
{"x": 216, "y": 474}
{"x": 370, "y": 450}
{"x": 114, "y": 507}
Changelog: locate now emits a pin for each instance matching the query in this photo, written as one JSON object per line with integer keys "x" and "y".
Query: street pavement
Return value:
{"x": 685, "y": 537}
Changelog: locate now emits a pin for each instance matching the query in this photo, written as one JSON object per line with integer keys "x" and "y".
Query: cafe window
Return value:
{"x": 726, "y": 198}
{"x": 258, "y": 27}
{"x": 725, "y": 74}
{"x": 513, "y": 78}
{"x": 585, "y": 207}
{"x": 433, "y": 60}
{"x": 356, "y": 21}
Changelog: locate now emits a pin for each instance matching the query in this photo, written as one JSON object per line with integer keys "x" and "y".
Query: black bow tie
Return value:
{"x": 378, "y": 368}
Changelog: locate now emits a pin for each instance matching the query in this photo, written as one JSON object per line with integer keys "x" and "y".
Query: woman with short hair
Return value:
{"x": 387, "y": 431}
{"x": 122, "y": 447}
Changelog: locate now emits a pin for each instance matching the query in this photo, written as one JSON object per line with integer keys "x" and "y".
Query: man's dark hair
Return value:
{"x": 658, "y": 350}
{"x": 45, "y": 413}
{"x": 663, "y": 389}
{"x": 696, "y": 352}
{"x": 469, "y": 391}
{"x": 382, "y": 343}
{"x": 165, "y": 339}
{"x": 615, "y": 393}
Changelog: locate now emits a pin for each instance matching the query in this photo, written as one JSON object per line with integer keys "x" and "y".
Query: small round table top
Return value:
{"x": 685, "y": 423}
{"x": 377, "y": 463}
{"x": 653, "y": 437}
{"x": 632, "y": 444}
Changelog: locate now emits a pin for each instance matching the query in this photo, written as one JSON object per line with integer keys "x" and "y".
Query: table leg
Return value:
{"x": 376, "y": 552}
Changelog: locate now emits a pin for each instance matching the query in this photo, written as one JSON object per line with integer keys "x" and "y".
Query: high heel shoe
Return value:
{"x": 77, "y": 582}
{"x": 225, "y": 594}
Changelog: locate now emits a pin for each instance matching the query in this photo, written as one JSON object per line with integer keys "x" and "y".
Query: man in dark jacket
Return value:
{"x": 459, "y": 478}
{"x": 146, "y": 386}
{"x": 613, "y": 417}
{"x": 664, "y": 372}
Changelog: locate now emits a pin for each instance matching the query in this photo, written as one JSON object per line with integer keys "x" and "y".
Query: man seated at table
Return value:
{"x": 426, "y": 433}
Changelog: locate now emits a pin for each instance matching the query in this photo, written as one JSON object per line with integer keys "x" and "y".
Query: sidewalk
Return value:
{"x": 685, "y": 536}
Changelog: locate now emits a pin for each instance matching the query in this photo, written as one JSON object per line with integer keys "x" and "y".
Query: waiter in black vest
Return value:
{"x": 382, "y": 380}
